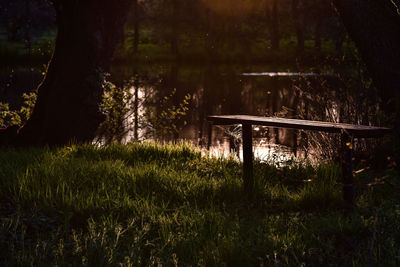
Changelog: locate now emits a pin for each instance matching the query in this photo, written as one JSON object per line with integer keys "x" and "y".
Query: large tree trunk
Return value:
{"x": 68, "y": 104}
{"x": 374, "y": 25}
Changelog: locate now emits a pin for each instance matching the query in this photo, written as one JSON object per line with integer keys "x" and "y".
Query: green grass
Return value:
{"x": 191, "y": 51}
{"x": 146, "y": 204}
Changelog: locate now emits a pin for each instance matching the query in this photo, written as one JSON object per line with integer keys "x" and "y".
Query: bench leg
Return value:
{"x": 347, "y": 169}
{"x": 248, "y": 158}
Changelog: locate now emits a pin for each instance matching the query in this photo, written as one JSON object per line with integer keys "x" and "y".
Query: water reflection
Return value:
{"x": 215, "y": 90}
{"x": 263, "y": 150}
{"x": 135, "y": 130}
{"x": 155, "y": 98}
{"x": 282, "y": 74}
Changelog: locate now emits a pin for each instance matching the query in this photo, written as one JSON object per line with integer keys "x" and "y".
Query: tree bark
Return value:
{"x": 274, "y": 17}
{"x": 299, "y": 25}
{"x": 68, "y": 103}
{"x": 318, "y": 26}
{"x": 174, "y": 30}
{"x": 374, "y": 26}
{"x": 136, "y": 26}
{"x": 27, "y": 34}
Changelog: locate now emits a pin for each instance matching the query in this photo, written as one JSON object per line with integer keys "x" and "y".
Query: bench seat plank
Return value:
{"x": 350, "y": 129}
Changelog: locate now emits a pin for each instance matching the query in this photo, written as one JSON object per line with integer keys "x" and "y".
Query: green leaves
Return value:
{"x": 166, "y": 122}
{"x": 17, "y": 117}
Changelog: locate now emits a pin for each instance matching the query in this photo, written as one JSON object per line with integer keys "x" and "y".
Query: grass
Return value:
{"x": 191, "y": 51}
{"x": 146, "y": 204}
{"x": 257, "y": 52}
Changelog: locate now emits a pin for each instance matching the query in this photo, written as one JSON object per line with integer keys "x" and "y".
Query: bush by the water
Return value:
{"x": 146, "y": 204}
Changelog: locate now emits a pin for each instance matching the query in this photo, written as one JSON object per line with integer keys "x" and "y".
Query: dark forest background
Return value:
{"x": 193, "y": 31}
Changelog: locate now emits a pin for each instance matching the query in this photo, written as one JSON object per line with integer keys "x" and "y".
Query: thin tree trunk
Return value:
{"x": 12, "y": 31}
{"x": 318, "y": 37}
{"x": 213, "y": 40}
{"x": 136, "y": 106}
{"x": 28, "y": 24}
{"x": 318, "y": 28}
{"x": 339, "y": 42}
{"x": 299, "y": 25}
{"x": 274, "y": 16}
{"x": 174, "y": 30}
{"x": 68, "y": 104}
{"x": 136, "y": 26}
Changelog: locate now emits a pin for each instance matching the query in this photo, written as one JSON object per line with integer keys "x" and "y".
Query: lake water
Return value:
{"x": 169, "y": 102}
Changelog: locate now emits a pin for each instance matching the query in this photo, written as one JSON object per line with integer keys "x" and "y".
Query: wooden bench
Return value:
{"x": 348, "y": 133}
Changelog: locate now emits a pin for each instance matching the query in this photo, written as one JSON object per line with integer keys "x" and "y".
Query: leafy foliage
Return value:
{"x": 17, "y": 117}
{"x": 165, "y": 123}
{"x": 124, "y": 107}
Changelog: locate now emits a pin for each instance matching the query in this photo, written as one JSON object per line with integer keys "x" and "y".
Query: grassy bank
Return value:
{"x": 145, "y": 204}
{"x": 190, "y": 52}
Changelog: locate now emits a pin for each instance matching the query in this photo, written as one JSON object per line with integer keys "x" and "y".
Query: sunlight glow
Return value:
{"x": 228, "y": 8}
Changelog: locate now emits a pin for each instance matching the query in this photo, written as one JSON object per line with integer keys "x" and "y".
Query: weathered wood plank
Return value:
{"x": 350, "y": 129}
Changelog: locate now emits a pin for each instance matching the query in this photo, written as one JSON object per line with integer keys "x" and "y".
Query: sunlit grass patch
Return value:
{"x": 147, "y": 204}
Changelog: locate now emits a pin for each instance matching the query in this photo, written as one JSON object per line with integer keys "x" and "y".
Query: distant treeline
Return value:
{"x": 200, "y": 29}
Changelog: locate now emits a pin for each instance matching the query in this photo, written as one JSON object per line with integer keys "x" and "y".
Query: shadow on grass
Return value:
{"x": 145, "y": 204}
